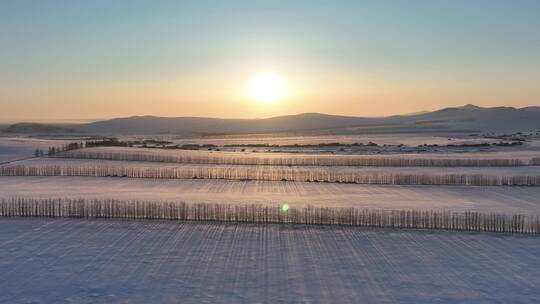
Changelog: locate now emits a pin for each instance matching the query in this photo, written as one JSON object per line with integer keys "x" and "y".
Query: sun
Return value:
{"x": 266, "y": 88}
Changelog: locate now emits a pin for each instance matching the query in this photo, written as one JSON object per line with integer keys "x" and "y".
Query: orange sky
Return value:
{"x": 76, "y": 61}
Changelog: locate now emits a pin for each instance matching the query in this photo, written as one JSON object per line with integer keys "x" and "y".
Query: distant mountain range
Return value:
{"x": 28, "y": 127}
{"x": 468, "y": 118}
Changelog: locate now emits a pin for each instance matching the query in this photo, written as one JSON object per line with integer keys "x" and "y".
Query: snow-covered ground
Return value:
{"x": 106, "y": 261}
{"x": 524, "y": 154}
{"x": 409, "y": 139}
{"x": 344, "y": 170}
{"x": 509, "y": 200}
{"x": 14, "y": 148}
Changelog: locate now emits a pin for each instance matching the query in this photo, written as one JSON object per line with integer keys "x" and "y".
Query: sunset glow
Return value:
{"x": 263, "y": 59}
{"x": 267, "y": 88}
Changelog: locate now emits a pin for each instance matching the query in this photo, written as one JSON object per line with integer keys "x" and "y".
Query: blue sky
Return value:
{"x": 177, "y": 58}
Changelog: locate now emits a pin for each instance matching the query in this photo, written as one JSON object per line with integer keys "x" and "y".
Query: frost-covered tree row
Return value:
{"x": 275, "y": 173}
{"x": 304, "y": 160}
{"x": 53, "y": 151}
{"x": 430, "y": 219}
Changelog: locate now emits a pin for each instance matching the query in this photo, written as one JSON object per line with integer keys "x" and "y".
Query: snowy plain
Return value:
{"x": 144, "y": 261}
{"x": 525, "y": 154}
{"x": 106, "y": 261}
{"x": 14, "y": 148}
{"x": 509, "y": 200}
{"x": 336, "y": 170}
{"x": 408, "y": 139}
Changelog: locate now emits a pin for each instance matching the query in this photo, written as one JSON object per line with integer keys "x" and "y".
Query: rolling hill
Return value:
{"x": 468, "y": 118}
{"x": 32, "y": 128}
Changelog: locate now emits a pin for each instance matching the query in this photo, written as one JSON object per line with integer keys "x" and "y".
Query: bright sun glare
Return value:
{"x": 267, "y": 88}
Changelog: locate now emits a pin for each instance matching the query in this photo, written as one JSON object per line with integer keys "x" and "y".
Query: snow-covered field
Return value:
{"x": 151, "y": 261}
{"x": 257, "y": 158}
{"x": 509, "y": 200}
{"x": 105, "y": 261}
{"x": 481, "y": 176}
{"x": 14, "y": 148}
{"x": 409, "y": 139}
{"x": 62, "y": 162}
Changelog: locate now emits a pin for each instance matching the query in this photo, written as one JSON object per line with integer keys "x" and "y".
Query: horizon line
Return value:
{"x": 77, "y": 121}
